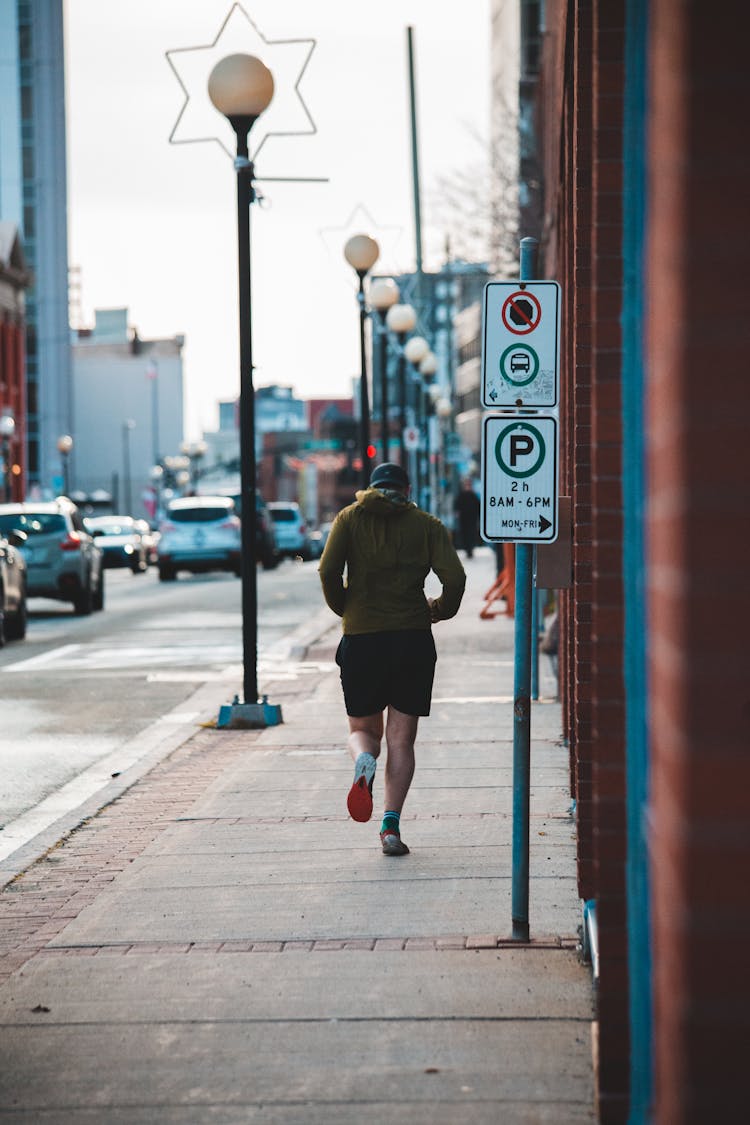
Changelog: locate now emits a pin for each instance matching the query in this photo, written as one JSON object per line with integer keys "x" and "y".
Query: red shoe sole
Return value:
{"x": 359, "y": 801}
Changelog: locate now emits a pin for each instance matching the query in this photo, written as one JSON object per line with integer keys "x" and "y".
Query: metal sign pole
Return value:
{"x": 535, "y": 620}
{"x": 522, "y": 698}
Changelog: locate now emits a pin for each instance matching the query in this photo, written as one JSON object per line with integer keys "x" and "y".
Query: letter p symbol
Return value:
{"x": 521, "y": 445}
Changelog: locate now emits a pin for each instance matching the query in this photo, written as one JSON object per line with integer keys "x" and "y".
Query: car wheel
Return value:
{"x": 15, "y": 626}
{"x": 99, "y": 595}
{"x": 167, "y": 574}
{"x": 83, "y": 605}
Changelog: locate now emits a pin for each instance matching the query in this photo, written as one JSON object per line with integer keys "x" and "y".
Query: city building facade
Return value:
{"x": 33, "y": 196}
{"x": 14, "y": 279}
{"x": 127, "y": 408}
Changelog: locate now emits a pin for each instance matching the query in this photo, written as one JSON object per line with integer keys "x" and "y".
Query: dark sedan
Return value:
{"x": 12, "y": 587}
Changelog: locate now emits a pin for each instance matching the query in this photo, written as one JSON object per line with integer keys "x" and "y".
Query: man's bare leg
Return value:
{"x": 400, "y": 734}
{"x": 365, "y": 734}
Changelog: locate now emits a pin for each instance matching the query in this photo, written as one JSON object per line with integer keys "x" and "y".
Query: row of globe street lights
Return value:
{"x": 361, "y": 251}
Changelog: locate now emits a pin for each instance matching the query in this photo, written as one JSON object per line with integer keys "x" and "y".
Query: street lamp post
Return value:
{"x": 64, "y": 446}
{"x": 152, "y": 374}
{"x": 427, "y": 369}
{"x": 415, "y": 349}
{"x": 156, "y": 473}
{"x": 384, "y": 295}
{"x": 362, "y": 252}
{"x": 7, "y": 430}
{"x": 241, "y": 88}
{"x": 127, "y": 426}
{"x": 401, "y": 320}
{"x": 444, "y": 411}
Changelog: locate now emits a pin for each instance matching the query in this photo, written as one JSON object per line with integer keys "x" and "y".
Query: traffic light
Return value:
{"x": 371, "y": 452}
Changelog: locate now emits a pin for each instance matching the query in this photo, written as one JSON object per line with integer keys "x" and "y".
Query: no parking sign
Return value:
{"x": 521, "y": 345}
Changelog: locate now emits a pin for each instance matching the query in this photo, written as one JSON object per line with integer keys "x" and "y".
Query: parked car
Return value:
{"x": 266, "y": 549}
{"x": 120, "y": 540}
{"x": 12, "y": 587}
{"x": 291, "y": 531}
{"x": 62, "y": 559}
{"x": 318, "y": 539}
{"x": 199, "y": 533}
{"x": 266, "y": 544}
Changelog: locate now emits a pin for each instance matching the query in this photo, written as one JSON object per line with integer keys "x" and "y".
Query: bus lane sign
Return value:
{"x": 519, "y": 478}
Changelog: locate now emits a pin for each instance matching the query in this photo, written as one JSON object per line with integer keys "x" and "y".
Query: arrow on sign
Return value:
{"x": 544, "y": 524}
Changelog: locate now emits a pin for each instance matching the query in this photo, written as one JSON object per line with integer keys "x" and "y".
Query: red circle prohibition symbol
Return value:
{"x": 526, "y": 324}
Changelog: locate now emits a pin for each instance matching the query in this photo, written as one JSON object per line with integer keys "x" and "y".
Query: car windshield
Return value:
{"x": 110, "y": 527}
{"x": 283, "y": 515}
{"x": 198, "y": 515}
{"x": 33, "y": 523}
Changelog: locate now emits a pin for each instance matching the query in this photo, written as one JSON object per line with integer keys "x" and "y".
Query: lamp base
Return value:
{"x": 249, "y": 716}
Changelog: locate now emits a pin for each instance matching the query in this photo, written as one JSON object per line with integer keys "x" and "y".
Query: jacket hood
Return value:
{"x": 384, "y": 502}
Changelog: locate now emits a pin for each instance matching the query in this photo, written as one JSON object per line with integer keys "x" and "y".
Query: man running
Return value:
{"x": 387, "y": 655}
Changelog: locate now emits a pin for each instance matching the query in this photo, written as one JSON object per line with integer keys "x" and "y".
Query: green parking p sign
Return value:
{"x": 519, "y": 474}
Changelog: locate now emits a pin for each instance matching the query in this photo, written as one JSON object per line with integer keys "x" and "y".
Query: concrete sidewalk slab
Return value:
{"x": 352, "y": 985}
{"x": 302, "y": 1070}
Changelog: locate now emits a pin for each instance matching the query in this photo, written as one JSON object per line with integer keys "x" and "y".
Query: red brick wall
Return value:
{"x": 577, "y": 421}
{"x": 698, "y": 505}
{"x": 606, "y": 594}
{"x": 584, "y": 60}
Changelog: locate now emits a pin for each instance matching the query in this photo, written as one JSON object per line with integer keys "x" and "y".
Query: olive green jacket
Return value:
{"x": 388, "y": 546}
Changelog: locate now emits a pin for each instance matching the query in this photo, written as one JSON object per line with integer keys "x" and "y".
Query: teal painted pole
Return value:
{"x": 522, "y": 699}
{"x": 535, "y": 617}
{"x": 635, "y": 171}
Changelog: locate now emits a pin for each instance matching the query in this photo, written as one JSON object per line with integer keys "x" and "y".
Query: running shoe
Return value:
{"x": 392, "y": 843}
{"x": 359, "y": 801}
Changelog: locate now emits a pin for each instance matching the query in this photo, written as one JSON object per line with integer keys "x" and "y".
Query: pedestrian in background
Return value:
{"x": 387, "y": 546}
{"x": 467, "y": 511}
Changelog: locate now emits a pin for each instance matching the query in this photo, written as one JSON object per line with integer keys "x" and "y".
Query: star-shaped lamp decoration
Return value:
{"x": 286, "y": 115}
{"x": 360, "y": 221}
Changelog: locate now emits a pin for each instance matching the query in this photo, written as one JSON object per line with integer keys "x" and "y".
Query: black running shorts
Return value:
{"x": 378, "y": 669}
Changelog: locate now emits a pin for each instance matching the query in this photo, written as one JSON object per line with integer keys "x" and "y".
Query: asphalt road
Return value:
{"x": 78, "y": 688}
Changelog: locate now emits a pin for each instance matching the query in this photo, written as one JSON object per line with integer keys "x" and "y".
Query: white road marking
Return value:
{"x": 43, "y": 660}
{"x": 97, "y": 658}
{"x": 194, "y": 659}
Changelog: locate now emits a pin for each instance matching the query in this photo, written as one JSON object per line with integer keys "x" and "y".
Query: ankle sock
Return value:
{"x": 365, "y": 766}
{"x": 391, "y": 821}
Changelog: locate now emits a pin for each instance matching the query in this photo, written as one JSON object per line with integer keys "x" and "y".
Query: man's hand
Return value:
{"x": 434, "y": 611}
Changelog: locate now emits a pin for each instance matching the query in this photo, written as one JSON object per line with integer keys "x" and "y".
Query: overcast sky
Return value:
{"x": 153, "y": 225}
